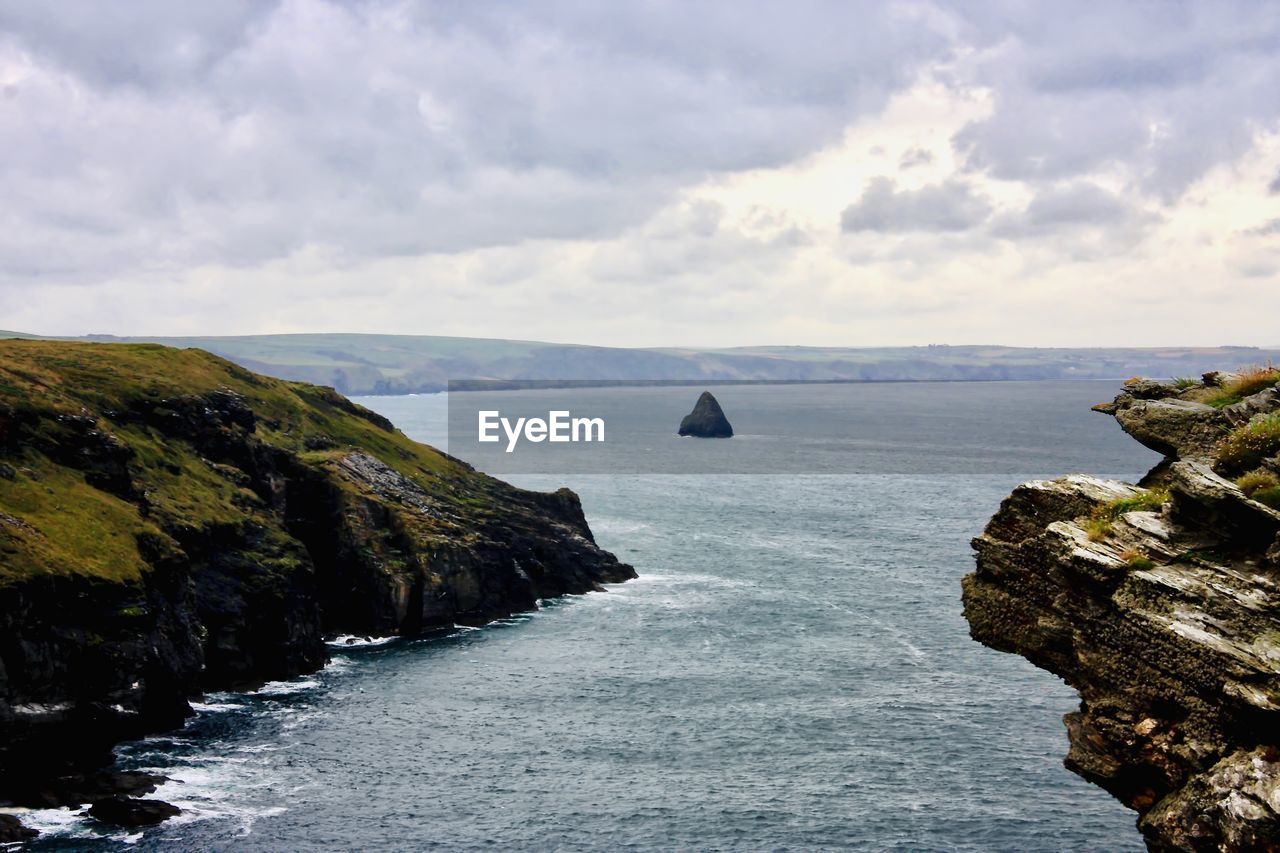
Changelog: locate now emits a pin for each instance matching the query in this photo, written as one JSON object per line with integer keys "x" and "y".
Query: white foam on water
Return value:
{"x": 226, "y": 788}
{"x": 286, "y": 688}
{"x": 337, "y": 664}
{"x": 68, "y": 823}
{"x": 203, "y": 759}
{"x": 353, "y": 641}
{"x": 166, "y": 739}
{"x": 295, "y": 719}
{"x": 215, "y": 707}
{"x": 228, "y": 797}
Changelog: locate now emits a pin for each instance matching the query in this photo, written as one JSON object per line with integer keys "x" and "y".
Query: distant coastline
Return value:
{"x": 395, "y": 365}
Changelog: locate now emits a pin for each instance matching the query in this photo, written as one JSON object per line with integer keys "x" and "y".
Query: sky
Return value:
{"x": 644, "y": 173}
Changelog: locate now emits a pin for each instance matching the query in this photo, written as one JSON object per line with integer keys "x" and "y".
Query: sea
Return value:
{"x": 790, "y": 671}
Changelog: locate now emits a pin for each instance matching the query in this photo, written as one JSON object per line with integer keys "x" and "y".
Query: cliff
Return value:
{"x": 1160, "y": 604}
{"x": 172, "y": 523}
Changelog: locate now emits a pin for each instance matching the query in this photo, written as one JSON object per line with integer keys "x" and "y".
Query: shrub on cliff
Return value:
{"x": 1261, "y": 486}
{"x": 1248, "y": 445}
{"x": 1248, "y": 381}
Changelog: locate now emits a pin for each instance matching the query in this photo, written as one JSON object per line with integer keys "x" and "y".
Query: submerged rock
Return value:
{"x": 129, "y": 812}
{"x": 12, "y": 830}
{"x": 1159, "y": 607}
{"x": 707, "y": 420}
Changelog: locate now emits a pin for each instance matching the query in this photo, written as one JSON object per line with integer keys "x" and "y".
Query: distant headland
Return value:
{"x": 416, "y": 364}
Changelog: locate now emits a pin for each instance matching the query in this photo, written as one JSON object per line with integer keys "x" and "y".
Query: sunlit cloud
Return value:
{"x": 651, "y": 174}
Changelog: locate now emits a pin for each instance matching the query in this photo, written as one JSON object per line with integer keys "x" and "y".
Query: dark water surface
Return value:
{"x": 791, "y": 671}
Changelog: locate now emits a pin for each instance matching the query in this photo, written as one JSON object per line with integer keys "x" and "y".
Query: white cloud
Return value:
{"x": 641, "y": 174}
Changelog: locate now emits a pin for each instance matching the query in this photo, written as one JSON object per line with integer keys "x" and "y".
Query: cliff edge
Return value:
{"x": 1160, "y": 604}
{"x": 171, "y": 523}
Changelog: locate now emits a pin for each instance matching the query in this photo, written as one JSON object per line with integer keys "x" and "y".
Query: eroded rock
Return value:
{"x": 1179, "y": 428}
{"x": 1166, "y": 620}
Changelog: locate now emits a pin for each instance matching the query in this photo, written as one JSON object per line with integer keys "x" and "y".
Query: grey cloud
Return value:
{"x": 155, "y": 136}
{"x": 1080, "y": 204}
{"x": 1274, "y": 186}
{"x": 1080, "y": 220}
{"x": 142, "y": 43}
{"x": 1165, "y": 91}
{"x": 913, "y": 157}
{"x": 239, "y": 132}
{"x": 949, "y": 206}
{"x": 1267, "y": 229}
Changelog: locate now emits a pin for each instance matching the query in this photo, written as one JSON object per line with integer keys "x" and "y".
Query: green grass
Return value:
{"x": 1269, "y": 497}
{"x": 67, "y": 527}
{"x": 1250, "y": 381}
{"x": 1097, "y": 528}
{"x": 59, "y": 523}
{"x": 1261, "y": 486}
{"x": 1103, "y": 517}
{"x": 1135, "y": 559}
{"x": 1149, "y": 500}
{"x": 1256, "y": 481}
{"x": 1248, "y": 445}
{"x": 1182, "y": 383}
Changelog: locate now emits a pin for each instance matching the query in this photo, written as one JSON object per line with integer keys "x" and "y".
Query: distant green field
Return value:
{"x": 404, "y": 364}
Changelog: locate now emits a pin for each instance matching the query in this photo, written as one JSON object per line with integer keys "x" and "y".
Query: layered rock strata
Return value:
{"x": 1160, "y": 604}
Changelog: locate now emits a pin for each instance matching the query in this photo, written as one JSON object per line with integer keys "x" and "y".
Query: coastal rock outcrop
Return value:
{"x": 171, "y": 523}
{"x": 1160, "y": 604}
{"x": 130, "y": 812}
{"x": 13, "y": 831}
{"x": 707, "y": 419}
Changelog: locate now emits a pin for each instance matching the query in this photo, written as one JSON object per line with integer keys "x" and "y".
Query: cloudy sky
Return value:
{"x": 644, "y": 173}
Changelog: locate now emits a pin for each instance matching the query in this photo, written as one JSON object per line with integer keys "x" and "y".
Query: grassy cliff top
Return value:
{"x": 112, "y": 455}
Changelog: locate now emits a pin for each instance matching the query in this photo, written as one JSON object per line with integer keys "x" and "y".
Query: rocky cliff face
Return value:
{"x": 171, "y": 523}
{"x": 1160, "y": 604}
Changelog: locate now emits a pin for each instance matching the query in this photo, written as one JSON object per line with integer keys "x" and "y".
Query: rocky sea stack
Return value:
{"x": 171, "y": 523}
{"x": 1160, "y": 603}
{"x": 707, "y": 419}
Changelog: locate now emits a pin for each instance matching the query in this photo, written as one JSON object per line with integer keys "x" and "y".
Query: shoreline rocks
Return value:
{"x": 13, "y": 831}
{"x": 79, "y": 788}
{"x": 129, "y": 812}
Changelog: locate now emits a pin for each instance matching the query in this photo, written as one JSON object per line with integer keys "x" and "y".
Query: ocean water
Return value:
{"x": 790, "y": 672}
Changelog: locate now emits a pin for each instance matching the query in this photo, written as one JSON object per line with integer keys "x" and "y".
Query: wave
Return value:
{"x": 354, "y": 641}
{"x": 215, "y": 707}
{"x": 286, "y": 688}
